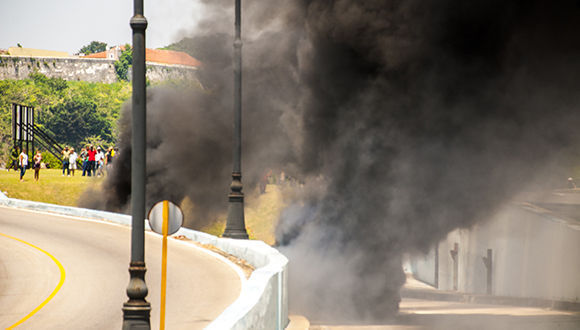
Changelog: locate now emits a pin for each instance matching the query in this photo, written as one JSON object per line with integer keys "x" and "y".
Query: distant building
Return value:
{"x": 162, "y": 65}
{"x": 151, "y": 55}
{"x": 112, "y": 53}
{"x": 30, "y": 52}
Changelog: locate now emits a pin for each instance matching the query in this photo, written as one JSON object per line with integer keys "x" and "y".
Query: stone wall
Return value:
{"x": 85, "y": 69}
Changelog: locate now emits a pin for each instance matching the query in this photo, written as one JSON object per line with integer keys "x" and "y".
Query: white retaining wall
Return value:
{"x": 535, "y": 255}
{"x": 263, "y": 302}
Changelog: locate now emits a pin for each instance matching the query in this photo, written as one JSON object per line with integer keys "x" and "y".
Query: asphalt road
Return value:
{"x": 87, "y": 290}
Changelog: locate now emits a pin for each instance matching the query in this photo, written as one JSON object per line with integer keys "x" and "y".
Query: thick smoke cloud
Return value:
{"x": 189, "y": 131}
{"x": 404, "y": 119}
{"x": 421, "y": 117}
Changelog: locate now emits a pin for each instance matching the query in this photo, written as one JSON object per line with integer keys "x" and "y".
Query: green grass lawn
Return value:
{"x": 51, "y": 187}
{"x": 261, "y": 215}
{"x": 261, "y": 212}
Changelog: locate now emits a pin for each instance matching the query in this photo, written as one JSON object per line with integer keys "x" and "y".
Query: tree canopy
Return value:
{"x": 78, "y": 118}
{"x": 75, "y": 111}
{"x": 93, "y": 47}
{"x": 200, "y": 47}
{"x": 124, "y": 63}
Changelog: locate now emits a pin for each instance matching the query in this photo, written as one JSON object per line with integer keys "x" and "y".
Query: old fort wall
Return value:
{"x": 85, "y": 69}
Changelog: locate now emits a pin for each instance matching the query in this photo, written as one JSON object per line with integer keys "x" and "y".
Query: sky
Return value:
{"x": 68, "y": 25}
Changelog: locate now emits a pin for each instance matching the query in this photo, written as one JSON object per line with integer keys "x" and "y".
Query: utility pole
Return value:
{"x": 136, "y": 311}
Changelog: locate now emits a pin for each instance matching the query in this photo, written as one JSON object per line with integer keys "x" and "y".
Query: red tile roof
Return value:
{"x": 159, "y": 56}
{"x": 170, "y": 57}
{"x": 97, "y": 55}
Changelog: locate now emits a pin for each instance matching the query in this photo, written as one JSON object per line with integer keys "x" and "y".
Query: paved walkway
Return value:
{"x": 453, "y": 311}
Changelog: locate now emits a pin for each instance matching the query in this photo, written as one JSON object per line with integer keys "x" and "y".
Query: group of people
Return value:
{"x": 93, "y": 160}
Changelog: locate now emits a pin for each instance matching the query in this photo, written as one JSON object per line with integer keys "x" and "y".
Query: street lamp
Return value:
{"x": 137, "y": 310}
{"x": 235, "y": 226}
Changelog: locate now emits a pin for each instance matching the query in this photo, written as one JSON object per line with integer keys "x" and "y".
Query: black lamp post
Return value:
{"x": 137, "y": 310}
{"x": 236, "y": 226}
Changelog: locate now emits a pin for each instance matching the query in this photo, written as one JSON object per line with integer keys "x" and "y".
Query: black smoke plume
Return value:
{"x": 404, "y": 119}
{"x": 189, "y": 129}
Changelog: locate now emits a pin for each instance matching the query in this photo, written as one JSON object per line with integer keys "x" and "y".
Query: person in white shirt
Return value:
{"x": 72, "y": 161}
{"x": 23, "y": 163}
{"x": 99, "y": 161}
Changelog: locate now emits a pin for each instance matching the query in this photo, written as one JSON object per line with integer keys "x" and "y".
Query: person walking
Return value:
{"x": 23, "y": 163}
{"x": 91, "y": 155}
{"x": 14, "y": 159}
{"x": 72, "y": 159}
{"x": 109, "y": 158}
{"x": 84, "y": 159}
{"x": 37, "y": 162}
{"x": 99, "y": 158}
{"x": 65, "y": 161}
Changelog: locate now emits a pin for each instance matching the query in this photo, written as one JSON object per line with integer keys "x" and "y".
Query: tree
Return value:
{"x": 201, "y": 47}
{"x": 95, "y": 108}
{"x": 95, "y": 140}
{"x": 55, "y": 84}
{"x": 124, "y": 63}
{"x": 77, "y": 119}
{"x": 93, "y": 47}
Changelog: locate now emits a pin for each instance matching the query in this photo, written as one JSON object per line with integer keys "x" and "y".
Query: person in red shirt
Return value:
{"x": 91, "y": 155}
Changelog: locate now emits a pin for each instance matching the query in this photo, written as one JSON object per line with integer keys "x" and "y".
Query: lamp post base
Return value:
{"x": 136, "y": 317}
{"x": 236, "y": 225}
{"x": 136, "y": 311}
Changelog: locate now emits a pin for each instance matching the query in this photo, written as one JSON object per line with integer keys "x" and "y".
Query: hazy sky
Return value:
{"x": 68, "y": 25}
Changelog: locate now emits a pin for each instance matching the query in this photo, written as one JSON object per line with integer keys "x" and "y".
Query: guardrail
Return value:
{"x": 263, "y": 302}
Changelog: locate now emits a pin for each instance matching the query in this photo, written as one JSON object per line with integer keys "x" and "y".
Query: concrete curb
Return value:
{"x": 263, "y": 302}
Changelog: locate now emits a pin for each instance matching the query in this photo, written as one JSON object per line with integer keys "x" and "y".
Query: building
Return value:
{"x": 161, "y": 56}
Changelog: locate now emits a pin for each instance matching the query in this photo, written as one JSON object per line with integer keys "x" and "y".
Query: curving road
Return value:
{"x": 87, "y": 290}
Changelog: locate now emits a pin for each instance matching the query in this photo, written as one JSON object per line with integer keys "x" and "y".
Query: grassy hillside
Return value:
{"x": 52, "y": 187}
{"x": 261, "y": 216}
{"x": 261, "y": 212}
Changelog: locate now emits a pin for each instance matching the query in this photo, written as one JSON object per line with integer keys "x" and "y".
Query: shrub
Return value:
{"x": 50, "y": 160}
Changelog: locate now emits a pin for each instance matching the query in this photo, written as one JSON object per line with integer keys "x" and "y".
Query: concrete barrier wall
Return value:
{"x": 534, "y": 255}
{"x": 263, "y": 302}
{"x": 423, "y": 267}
